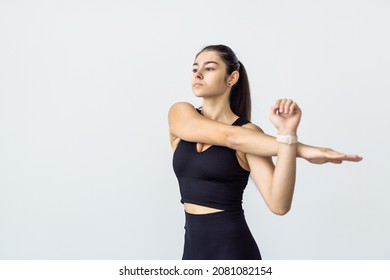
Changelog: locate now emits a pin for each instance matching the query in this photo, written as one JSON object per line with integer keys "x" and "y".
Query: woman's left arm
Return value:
{"x": 275, "y": 182}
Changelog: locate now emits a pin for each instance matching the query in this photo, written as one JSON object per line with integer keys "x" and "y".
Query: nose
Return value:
{"x": 198, "y": 74}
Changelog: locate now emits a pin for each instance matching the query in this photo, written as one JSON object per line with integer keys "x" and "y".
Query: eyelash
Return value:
{"x": 207, "y": 69}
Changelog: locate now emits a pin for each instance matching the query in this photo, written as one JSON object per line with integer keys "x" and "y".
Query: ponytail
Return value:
{"x": 240, "y": 97}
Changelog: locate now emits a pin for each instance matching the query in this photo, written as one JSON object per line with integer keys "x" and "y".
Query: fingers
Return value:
{"x": 275, "y": 108}
{"x": 285, "y": 106}
{"x": 354, "y": 158}
{"x": 335, "y": 157}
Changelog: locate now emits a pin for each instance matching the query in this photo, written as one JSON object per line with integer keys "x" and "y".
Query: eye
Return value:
{"x": 209, "y": 69}
{"x": 194, "y": 70}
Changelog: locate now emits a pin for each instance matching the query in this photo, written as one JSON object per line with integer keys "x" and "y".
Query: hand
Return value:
{"x": 318, "y": 155}
{"x": 285, "y": 116}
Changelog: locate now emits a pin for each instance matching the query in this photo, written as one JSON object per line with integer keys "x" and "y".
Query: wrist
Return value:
{"x": 300, "y": 148}
{"x": 284, "y": 131}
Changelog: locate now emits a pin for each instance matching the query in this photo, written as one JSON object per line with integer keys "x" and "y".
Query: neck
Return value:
{"x": 218, "y": 110}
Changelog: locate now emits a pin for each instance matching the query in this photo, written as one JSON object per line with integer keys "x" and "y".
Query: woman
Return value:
{"x": 216, "y": 148}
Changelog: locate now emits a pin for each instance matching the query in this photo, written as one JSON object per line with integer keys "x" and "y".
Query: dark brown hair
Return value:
{"x": 240, "y": 97}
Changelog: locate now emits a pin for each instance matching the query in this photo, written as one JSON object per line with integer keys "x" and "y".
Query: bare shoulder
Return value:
{"x": 253, "y": 126}
{"x": 180, "y": 111}
{"x": 180, "y": 107}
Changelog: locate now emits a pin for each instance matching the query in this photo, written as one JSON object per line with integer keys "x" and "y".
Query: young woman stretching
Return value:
{"x": 216, "y": 147}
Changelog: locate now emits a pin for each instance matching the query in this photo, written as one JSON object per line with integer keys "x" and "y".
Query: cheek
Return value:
{"x": 218, "y": 80}
{"x": 221, "y": 82}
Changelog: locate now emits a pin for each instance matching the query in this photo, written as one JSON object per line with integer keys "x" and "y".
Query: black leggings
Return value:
{"x": 219, "y": 236}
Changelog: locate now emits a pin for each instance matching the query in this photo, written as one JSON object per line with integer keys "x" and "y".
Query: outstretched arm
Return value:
{"x": 187, "y": 124}
{"x": 320, "y": 155}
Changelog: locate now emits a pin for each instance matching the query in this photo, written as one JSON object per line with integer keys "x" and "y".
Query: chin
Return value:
{"x": 199, "y": 93}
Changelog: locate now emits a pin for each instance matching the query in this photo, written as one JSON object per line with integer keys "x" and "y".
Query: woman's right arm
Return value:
{"x": 187, "y": 124}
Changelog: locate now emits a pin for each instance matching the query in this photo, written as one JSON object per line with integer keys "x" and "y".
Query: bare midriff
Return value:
{"x": 199, "y": 210}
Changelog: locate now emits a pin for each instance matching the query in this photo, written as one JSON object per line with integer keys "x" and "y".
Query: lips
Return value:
{"x": 196, "y": 85}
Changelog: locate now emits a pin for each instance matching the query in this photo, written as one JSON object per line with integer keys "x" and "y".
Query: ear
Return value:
{"x": 233, "y": 78}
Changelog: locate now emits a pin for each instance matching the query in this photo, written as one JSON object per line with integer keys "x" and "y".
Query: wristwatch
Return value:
{"x": 287, "y": 139}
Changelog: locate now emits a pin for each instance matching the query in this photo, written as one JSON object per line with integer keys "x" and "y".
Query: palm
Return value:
{"x": 289, "y": 121}
{"x": 319, "y": 155}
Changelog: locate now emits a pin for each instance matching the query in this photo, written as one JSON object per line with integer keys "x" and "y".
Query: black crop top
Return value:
{"x": 212, "y": 178}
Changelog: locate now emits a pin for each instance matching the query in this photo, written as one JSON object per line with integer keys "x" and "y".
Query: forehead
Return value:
{"x": 207, "y": 56}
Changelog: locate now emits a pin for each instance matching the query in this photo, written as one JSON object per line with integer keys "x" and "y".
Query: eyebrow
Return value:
{"x": 207, "y": 62}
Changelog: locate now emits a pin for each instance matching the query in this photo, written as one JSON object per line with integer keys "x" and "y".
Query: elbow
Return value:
{"x": 281, "y": 211}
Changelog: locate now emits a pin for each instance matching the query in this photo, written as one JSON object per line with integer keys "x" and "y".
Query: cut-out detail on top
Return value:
{"x": 197, "y": 209}
{"x": 201, "y": 147}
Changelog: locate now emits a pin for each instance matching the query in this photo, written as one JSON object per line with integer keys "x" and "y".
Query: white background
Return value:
{"x": 85, "y": 87}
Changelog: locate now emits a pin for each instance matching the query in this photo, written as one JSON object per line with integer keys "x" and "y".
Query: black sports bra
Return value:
{"x": 212, "y": 178}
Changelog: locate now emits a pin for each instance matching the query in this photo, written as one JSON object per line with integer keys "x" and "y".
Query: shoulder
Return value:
{"x": 181, "y": 106}
{"x": 182, "y": 112}
{"x": 253, "y": 126}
